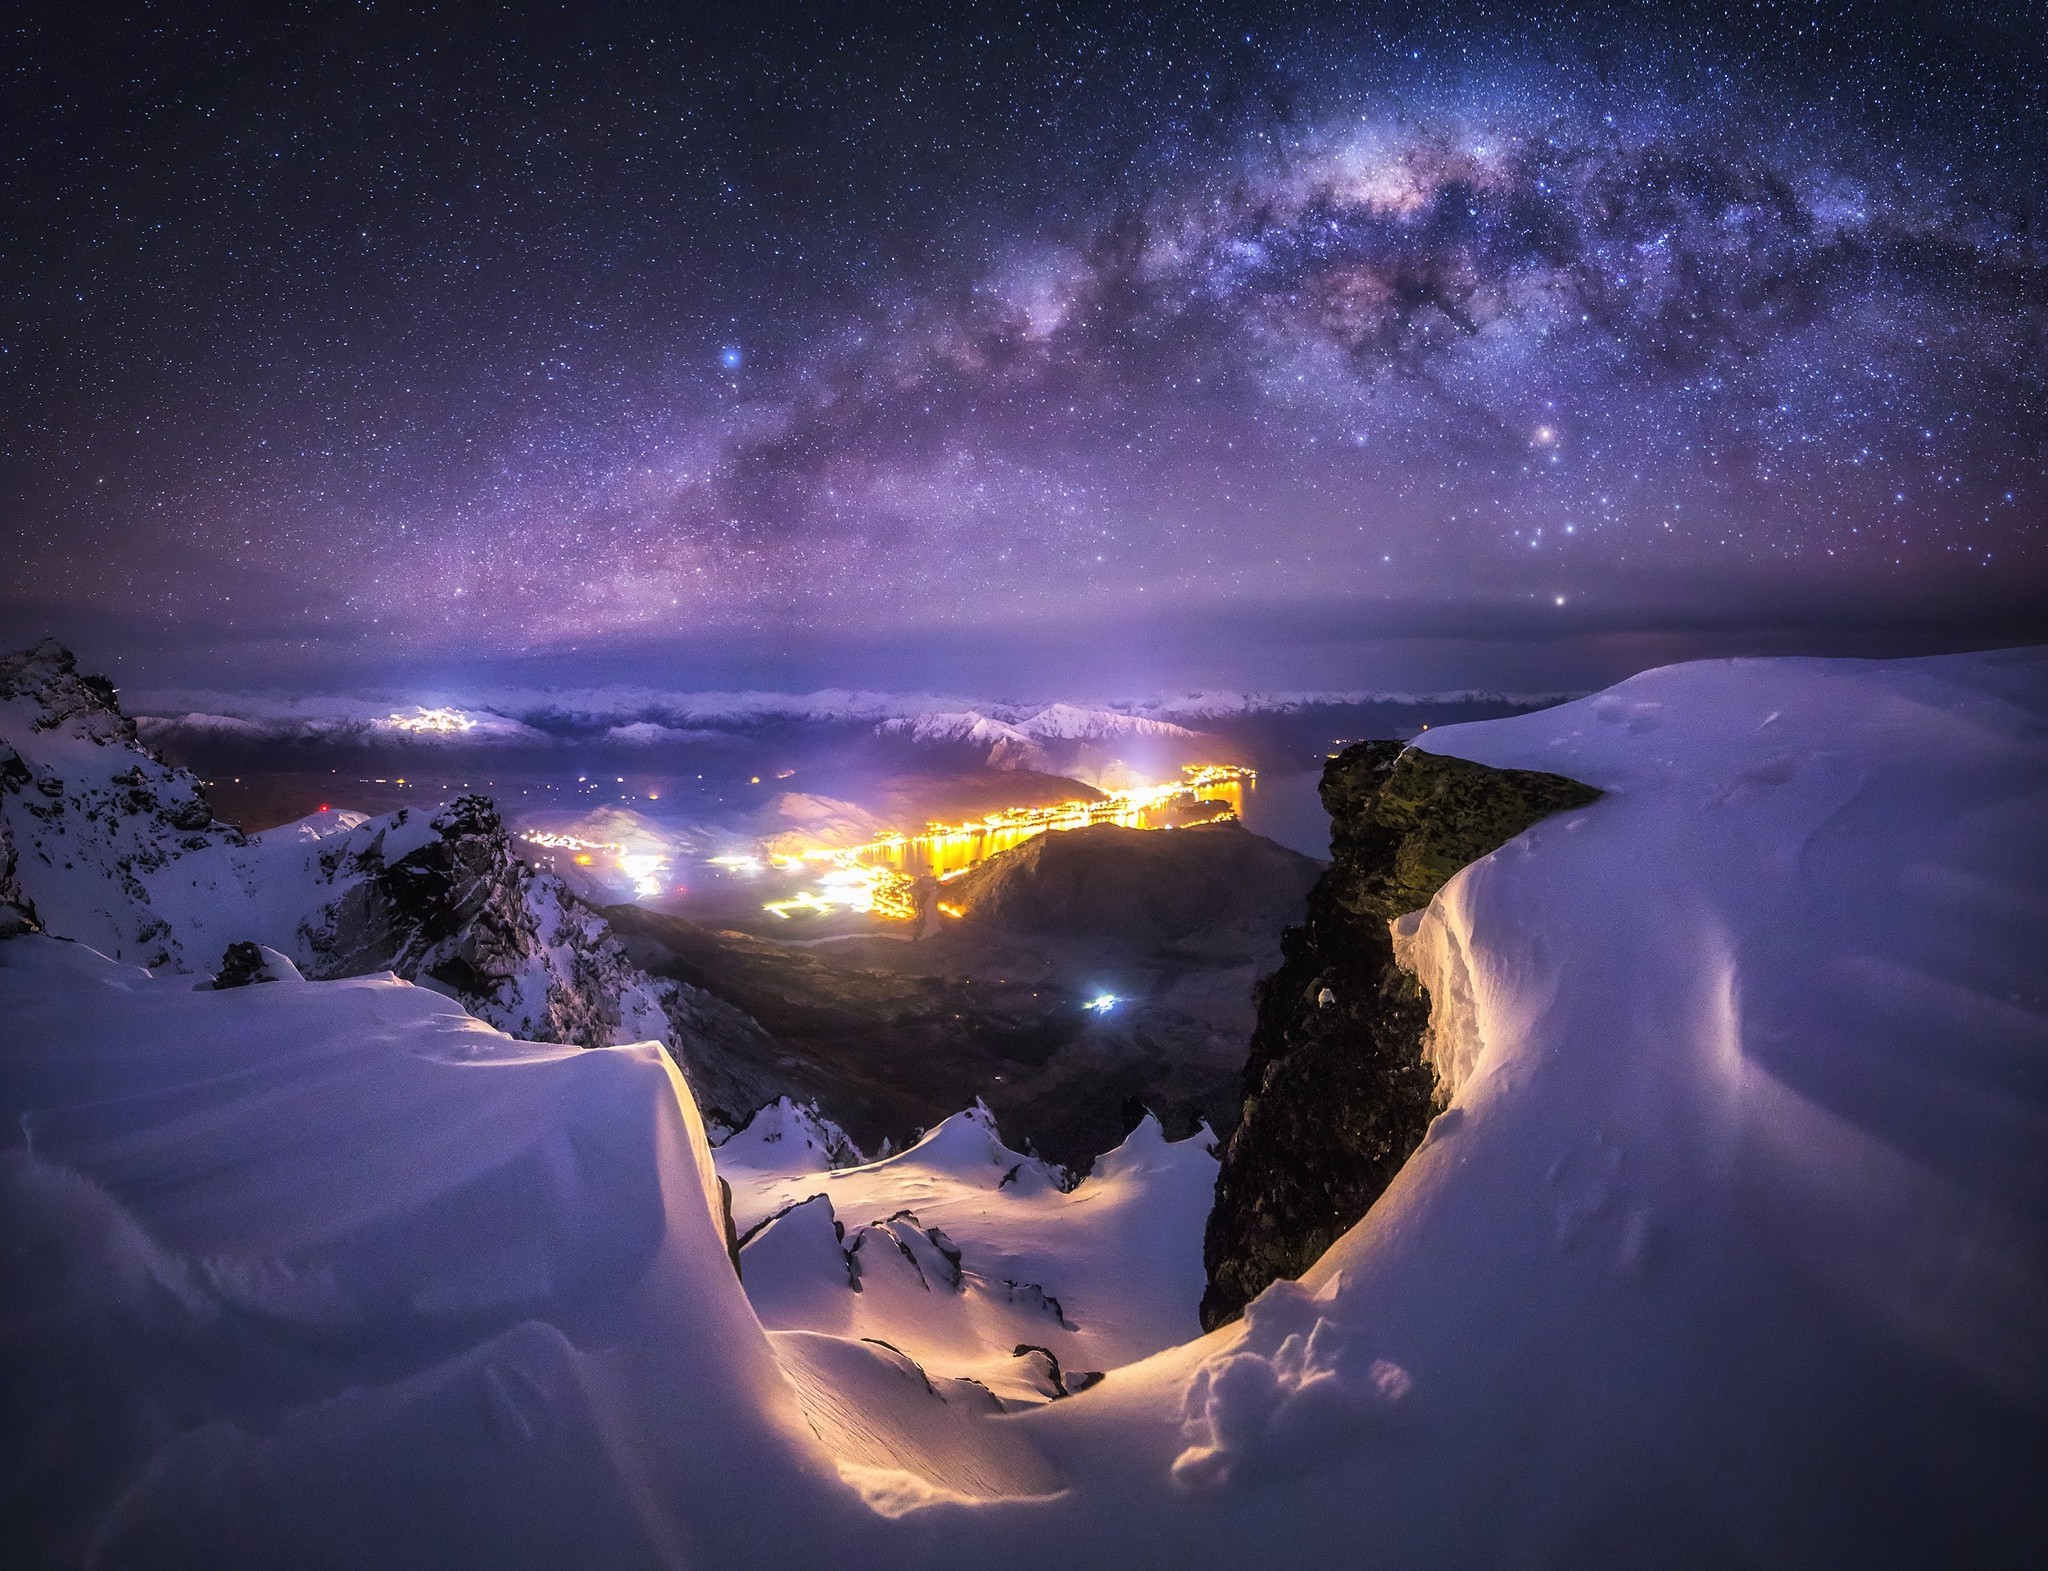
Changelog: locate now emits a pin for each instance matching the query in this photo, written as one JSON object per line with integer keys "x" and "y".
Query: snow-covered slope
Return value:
{"x": 117, "y": 850}
{"x": 1070, "y": 723}
{"x": 436, "y": 897}
{"x": 959, "y": 1250}
{"x": 1729, "y": 1249}
{"x": 330, "y": 1273}
{"x": 632, "y": 714}
{"x": 89, "y": 811}
{"x": 1065, "y": 739}
{"x": 968, "y": 726}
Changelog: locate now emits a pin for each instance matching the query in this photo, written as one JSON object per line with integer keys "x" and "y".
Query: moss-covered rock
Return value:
{"x": 1337, "y": 1092}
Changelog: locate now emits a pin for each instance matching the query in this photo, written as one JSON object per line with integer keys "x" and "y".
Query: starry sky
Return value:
{"x": 1022, "y": 346}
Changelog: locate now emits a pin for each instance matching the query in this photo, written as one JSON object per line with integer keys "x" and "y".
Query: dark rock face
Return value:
{"x": 452, "y": 911}
{"x": 242, "y": 964}
{"x": 17, "y": 911}
{"x": 1337, "y": 1092}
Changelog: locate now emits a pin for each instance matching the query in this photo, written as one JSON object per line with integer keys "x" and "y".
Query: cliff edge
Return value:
{"x": 1337, "y": 1088}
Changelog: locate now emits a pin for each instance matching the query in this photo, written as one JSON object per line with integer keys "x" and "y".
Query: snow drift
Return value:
{"x": 1728, "y": 1249}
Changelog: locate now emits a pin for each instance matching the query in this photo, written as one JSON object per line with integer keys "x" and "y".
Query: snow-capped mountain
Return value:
{"x": 1054, "y": 722}
{"x": 345, "y": 723}
{"x": 1225, "y": 703}
{"x": 963, "y": 1253}
{"x": 90, "y": 811}
{"x": 112, "y": 847}
{"x": 1725, "y": 1249}
{"x": 1070, "y": 723}
{"x": 1003, "y": 746}
{"x": 968, "y": 726}
{"x": 1061, "y": 739}
{"x": 638, "y": 716}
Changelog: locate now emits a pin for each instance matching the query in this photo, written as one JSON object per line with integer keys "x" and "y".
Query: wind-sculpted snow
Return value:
{"x": 332, "y": 1273}
{"x": 1728, "y": 1249}
{"x": 1293, "y": 1391}
{"x": 1729, "y": 1246}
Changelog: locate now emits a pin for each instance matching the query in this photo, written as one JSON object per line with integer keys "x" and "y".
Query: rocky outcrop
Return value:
{"x": 88, "y": 811}
{"x": 17, "y": 911}
{"x": 103, "y": 842}
{"x": 457, "y": 910}
{"x": 1337, "y": 1090}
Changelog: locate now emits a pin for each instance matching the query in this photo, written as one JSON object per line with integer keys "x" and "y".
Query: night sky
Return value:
{"x": 1020, "y": 346}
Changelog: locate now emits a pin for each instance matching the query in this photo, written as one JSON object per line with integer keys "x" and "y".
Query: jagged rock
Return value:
{"x": 89, "y": 811}
{"x": 1042, "y": 1369}
{"x": 1337, "y": 1091}
{"x": 102, "y": 842}
{"x": 242, "y": 964}
{"x": 17, "y": 911}
{"x": 786, "y": 1136}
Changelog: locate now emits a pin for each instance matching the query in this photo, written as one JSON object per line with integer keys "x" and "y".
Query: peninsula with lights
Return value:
{"x": 883, "y": 875}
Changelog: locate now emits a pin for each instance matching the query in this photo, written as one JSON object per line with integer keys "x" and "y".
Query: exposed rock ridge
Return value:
{"x": 1337, "y": 1090}
{"x": 103, "y": 842}
{"x": 88, "y": 811}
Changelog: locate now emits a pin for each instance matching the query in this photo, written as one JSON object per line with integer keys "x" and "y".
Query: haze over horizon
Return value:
{"x": 1101, "y": 354}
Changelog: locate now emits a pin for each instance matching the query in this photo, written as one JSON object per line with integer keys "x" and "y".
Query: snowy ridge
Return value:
{"x": 1069, "y": 723}
{"x": 343, "y": 721}
{"x": 959, "y": 1251}
{"x": 1727, "y": 1251}
{"x": 1059, "y": 739}
{"x": 648, "y": 716}
{"x": 89, "y": 812}
{"x": 969, "y": 726}
{"x": 113, "y": 848}
{"x": 782, "y": 1140}
{"x": 330, "y": 1244}
{"x": 1223, "y": 704}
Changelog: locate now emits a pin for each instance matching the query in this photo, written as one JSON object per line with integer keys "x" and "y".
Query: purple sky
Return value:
{"x": 955, "y": 348}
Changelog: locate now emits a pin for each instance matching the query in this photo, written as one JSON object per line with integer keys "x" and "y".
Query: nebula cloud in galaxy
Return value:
{"x": 837, "y": 338}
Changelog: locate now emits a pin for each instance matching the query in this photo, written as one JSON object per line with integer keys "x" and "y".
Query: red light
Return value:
{"x": 325, "y": 808}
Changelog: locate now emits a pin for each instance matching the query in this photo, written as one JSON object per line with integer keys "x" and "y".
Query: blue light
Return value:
{"x": 730, "y": 357}
{"x": 1102, "y": 1003}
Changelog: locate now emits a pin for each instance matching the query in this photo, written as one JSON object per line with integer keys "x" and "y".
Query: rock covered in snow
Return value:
{"x": 786, "y": 1136}
{"x": 102, "y": 842}
{"x": 90, "y": 811}
{"x": 1338, "y": 1087}
{"x": 245, "y": 963}
{"x": 1727, "y": 1252}
{"x": 978, "y": 1261}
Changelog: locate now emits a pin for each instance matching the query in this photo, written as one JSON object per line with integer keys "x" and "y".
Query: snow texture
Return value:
{"x": 960, "y": 1251}
{"x": 1728, "y": 1251}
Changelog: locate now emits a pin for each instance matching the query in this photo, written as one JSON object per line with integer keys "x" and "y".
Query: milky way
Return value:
{"x": 521, "y": 336}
